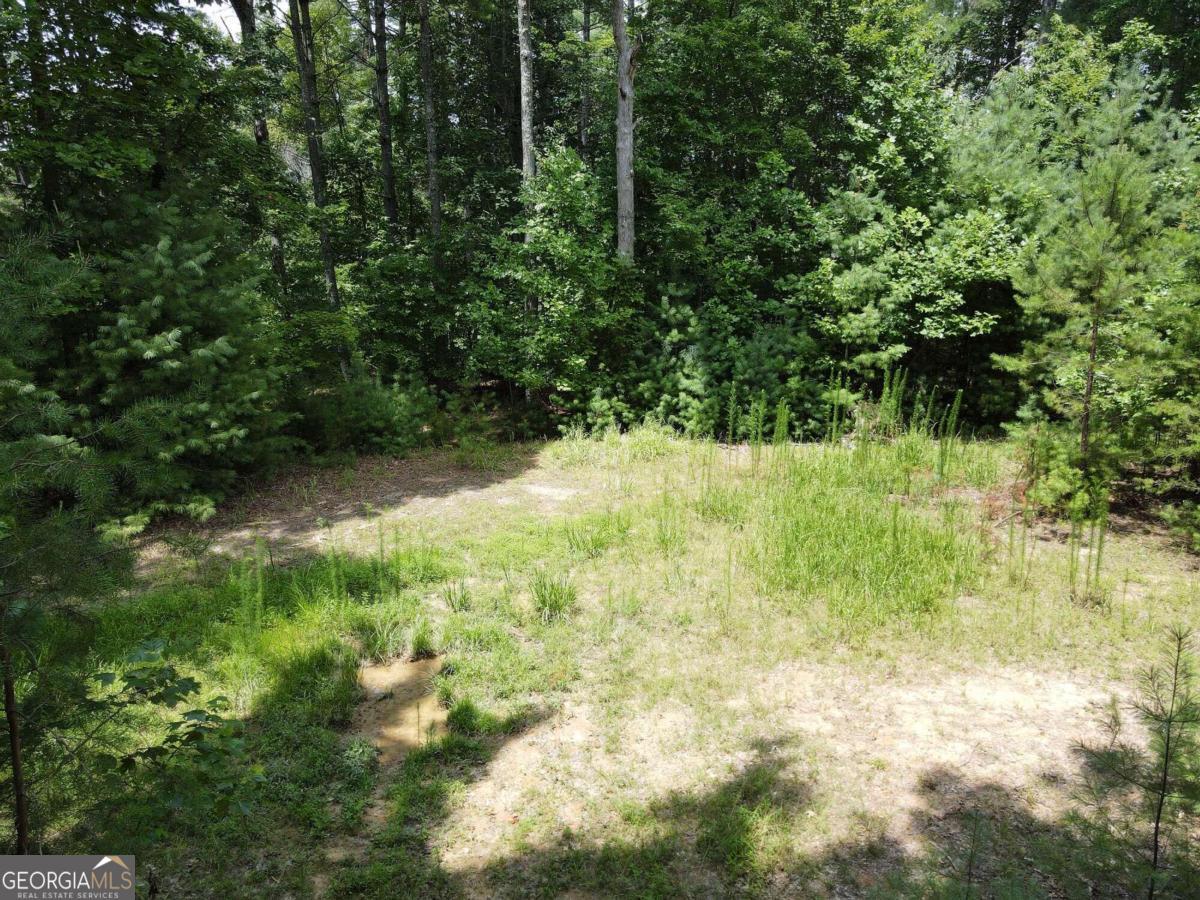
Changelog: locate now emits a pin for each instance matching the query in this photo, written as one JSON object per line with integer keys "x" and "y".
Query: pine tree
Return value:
{"x": 1104, "y": 258}
{"x": 56, "y": 491}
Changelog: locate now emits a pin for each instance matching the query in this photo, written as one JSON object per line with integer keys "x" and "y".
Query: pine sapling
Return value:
{"x": 1160, "y": 776}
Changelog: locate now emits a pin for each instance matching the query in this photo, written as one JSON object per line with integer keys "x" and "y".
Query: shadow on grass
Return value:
{"x": 737, "y": 839}
{"x": 290, "y": 510}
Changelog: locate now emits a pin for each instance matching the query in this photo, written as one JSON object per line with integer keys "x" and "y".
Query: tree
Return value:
{"x": 986, "y": 37}
{"x": 525, "y": 43}
{"x": 626, "y": 69}
{"x": 248, "y": 23}
{"x": 383, "y": 105}
{"x": 585, "y": 100}
{"x": 56, "y": 489}
{"x": 1176, "y": 21}
{"x": 431, "y": 137}
{"x": 566, "y": 262}
{"x": 302, "y": 41}
{"x": 1160, "y": 777}
{"x": 165, "y": 331}
{"x": 1107, "y": 254}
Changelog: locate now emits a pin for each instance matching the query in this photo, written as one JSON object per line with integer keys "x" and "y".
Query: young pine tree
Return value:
{"x": 55, "y": 493}
{"x": 1103, "y": 262}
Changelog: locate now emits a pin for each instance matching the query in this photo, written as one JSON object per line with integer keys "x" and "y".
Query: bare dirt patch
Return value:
{"x": 399, "y": 713}
{"x": 894, "y": 747}
{"x": 1014, "y": 729}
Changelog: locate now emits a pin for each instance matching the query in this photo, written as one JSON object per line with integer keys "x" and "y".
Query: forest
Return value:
{"x": 656, "y": 448}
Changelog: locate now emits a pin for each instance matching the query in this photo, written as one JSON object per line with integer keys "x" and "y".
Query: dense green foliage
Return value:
{"x": 820, "y": 202}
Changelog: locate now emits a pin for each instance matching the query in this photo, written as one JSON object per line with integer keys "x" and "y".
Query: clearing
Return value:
{"x": 641, "y": 665}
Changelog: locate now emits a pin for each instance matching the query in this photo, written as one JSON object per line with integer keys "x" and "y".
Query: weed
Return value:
{"x": 457, "y": 596}
{"x": 721, "y": 502}
{"x": 383, "y": 629}
{"x": 574, "y": 449}
{"x": 670, "y": 534}
{"x": 590, "y": 536}
{"x": 421, "y": 643}
{"x": 827, "y": 532}
{"x": 360, "y": 759}
{"x": 649, "y": 441}
{"x": 481, "y": 454}
{"x": 554, "y": 597}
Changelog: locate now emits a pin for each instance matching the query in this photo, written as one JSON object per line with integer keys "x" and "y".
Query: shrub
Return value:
{"x": 364, "y": 414}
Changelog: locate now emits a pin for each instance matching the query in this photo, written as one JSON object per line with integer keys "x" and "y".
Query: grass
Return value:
{"x": 554, "y": 597}
{"x": 655, "y": 621}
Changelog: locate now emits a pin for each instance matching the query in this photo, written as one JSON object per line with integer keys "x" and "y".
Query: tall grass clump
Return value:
{"x": 574, "y": 449}
{"x": 838, "y": 392}
{"x": 1085, "y": 548}
{"x": 589, "y": 536}
{"x": 947, "y": 435}
{"x": 670, "y": 530}
{"x": 553, "y": 597}
{"x": 832, "y": 528}
{"x": 649, "y": 441}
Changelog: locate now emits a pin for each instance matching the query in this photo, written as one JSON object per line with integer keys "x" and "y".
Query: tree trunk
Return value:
{"x": 13, "y": 720}
{"x": 585, "y": 100}
{"x": 526, "y": 47}
{"x": 431, "y": 147}
{"x": 406, "y": 122}
{"x": 302, "y": 39}
{"x": 249, "y": 27}
{"x": 626, "y": 66}
{"x": 383, "y": 104}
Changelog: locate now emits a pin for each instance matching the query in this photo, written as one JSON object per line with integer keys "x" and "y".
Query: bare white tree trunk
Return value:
{"x": 626, "y": 66}
{"x": 526, "y": 46}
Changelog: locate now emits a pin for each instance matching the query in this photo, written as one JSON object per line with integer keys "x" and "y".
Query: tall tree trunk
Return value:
{"x": 406, "y": 120}
{"x": 626, "y": 66}
{"x": 585, "y": 100}
{"x": 383, "y": 104}
{"x": 301, "y": 27}
{"x": 431, "y": 146}
{"x": 12, "y": 718}
{"x": 525, "y": 43}
{"x": 249, "y": 26}
{"x": 302, "y": 39}
{"x": 262, "y": 137}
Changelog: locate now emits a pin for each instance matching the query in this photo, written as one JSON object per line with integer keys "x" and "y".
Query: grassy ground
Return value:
{"x": 650, "y": 667}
